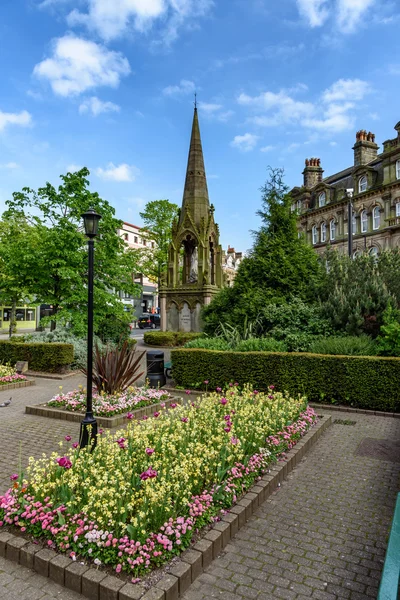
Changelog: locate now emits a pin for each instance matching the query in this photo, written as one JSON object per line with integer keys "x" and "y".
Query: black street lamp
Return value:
{"x": 89, "y": 424}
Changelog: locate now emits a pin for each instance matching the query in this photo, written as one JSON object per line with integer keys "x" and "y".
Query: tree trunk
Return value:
{"x": 13, "y": 323}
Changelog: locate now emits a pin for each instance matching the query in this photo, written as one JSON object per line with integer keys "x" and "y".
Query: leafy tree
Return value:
{"x": 18, "y": 244}
{"x": 280, "y": 265}
{"x": 157, "y": 217}
{"x": 389, "y": 339}
{"x": 60, "y": 259}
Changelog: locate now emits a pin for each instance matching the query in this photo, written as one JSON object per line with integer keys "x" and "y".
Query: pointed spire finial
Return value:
{"x": 195, "y": 100}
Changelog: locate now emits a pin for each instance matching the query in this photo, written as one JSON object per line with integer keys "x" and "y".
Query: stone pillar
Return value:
{"x": 163, "y": 314}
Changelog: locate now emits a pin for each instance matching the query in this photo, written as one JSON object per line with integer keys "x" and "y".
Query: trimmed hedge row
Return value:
{"x": 367, "y": 382}
{"x": 41, "y": 356}
{"x": 169, "y": 338}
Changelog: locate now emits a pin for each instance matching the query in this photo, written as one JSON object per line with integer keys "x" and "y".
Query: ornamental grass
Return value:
{"x": 139, "y": 497}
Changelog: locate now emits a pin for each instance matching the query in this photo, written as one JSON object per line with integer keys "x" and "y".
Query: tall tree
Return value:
{"x": 279, "y": 266}
{"x": 61, "y": 257}
{"x": 157, "y": 218}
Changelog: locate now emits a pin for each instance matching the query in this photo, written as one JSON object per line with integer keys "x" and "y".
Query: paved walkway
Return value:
{"x": 322, "y": 535}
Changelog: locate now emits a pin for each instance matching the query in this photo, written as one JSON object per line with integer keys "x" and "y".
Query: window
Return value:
{"x": 20, "y": 314}
{"x": 376, "y": 218}
{"x": 322, "y": 199}
{"x": 373, "y": 251}
{"x": 362, "y": 184}
{"x": 356, "y": 253}
{"x": 314, "y": 235}
{"x": 397, "y": 209}
{"x": 323, "y": 232}
{"x": 332, "y": 228}
{"x": 126, "y": 237}
{"x": 364, "y": 221}
{"x": 30, "y": 314}
{"x": 299, "y": 204}
{"x": 135, "y": 239}
{"x": 398, "y": 169}
{"x": 144, "y": 242}
{"x": 354, "y": 224}
{"x": 152, "y": 244}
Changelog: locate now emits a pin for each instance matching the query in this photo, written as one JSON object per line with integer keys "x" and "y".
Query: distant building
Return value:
{"x": 373, "y": 182}
{"x": 148, "y": 299}
{"x": 230, "y": 264}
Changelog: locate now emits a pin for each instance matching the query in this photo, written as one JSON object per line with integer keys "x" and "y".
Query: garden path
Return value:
{"x": 322, "y": 535}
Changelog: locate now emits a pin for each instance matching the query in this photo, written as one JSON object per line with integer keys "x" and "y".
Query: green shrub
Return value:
{"x": 365, "y": 382}
{"x": 169, "y": 338}
{"x": 209, "y": 343}
{"x": 362, "y": 345}
{"x": 251, "y": 344}
{"x": 131, "y": 342}
{"x": 51, "y": 358}
{"x": 113, "y": 329}
{"x": 389, "y": 340}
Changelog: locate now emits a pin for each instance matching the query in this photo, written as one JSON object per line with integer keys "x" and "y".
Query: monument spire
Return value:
{"x": 195, "y": 194}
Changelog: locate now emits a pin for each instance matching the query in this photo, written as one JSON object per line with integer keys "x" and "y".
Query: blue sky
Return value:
{"x": 109, "y": 85}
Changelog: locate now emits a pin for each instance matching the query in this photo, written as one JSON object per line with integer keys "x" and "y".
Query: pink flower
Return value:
{"x": 136, "y": 580}
{"x": 271, "y": 387}
{"x": 118, "y": 568}
{"x": 206, "y": 382}
{"x": 64, "y": 462}
{"x": 68, "y": 438}
{"x": 227, "y": 429}
{"x": 156, "y": 414}
{"x": 188, "y": 392}
{"x": 14, "y": 477}
{"x": 149, "y": 474}
{"x": 101, "y": 431}
{"x": 234, "y": 440}
{"x": 223, "y": 401}
{"x": 75, "y": 445}
{"x": 149, "y": 451}
{"x": 129, "y": 415}
{"x": 184, "y": 419}
{"x": 173, "y": 405}
{"x": 219, "y": 389}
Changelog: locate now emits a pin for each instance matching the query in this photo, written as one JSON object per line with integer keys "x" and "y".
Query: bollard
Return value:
{"x": 155, "y": 368}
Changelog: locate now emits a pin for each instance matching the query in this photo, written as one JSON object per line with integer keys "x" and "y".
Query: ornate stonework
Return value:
{"x": 194, "y": 271}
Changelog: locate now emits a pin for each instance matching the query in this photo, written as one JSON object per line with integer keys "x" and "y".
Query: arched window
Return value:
{"x": 299, "y": 205}
{"x": 323, "y": 232}
{"x": 322, "y": 199}
{"x": 398, "y": 169}
{"x": 364, "y": 221}
{"x": 397, "y": 209}
{"x": 376, "y": 218}
{"x": 356, "y": 253}
{"x": 332, "y": 230}
{"x": 362, "y": 184}
{"x": 315, "y": 234}
{"x": 354, "y": 224}
{"x": 373, "y": 251}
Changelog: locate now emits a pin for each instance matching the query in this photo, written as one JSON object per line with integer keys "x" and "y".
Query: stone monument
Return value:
{"x": 194, "y": 269}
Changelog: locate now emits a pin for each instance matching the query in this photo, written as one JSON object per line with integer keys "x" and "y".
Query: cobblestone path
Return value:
{"x": 322, "y": 535}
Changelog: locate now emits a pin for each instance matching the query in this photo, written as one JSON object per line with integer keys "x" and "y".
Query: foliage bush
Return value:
{"x": 251, "y": 344}
{"x": 365, "y": 382}
{"x": 114, "y": 329}
{"x": 362, "y": 345}
{"x": 115, "y": 369}
{"x": 389, "y": 340}
{"x": 60, "y": 336}
{"x": 169, "y": 338}
{"x": 51, "y": 358}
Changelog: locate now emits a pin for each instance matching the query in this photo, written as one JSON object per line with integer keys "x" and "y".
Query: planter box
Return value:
{"x": 18, "y": 384}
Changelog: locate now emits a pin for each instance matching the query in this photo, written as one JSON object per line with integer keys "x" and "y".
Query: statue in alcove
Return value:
{"x": 194, "y": 266}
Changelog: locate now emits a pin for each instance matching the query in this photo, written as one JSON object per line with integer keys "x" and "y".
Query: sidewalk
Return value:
{"x": 322, "y": 535}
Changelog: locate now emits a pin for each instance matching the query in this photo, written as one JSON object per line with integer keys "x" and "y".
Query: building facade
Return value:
{"x": 372, "y": 184}
{"x": 230, "y": 264}
{"x": 147, "y": 302}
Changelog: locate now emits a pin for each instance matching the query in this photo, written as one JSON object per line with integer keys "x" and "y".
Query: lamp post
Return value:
{"x": 89, "y": 424}
{"x": 349, "y": 194}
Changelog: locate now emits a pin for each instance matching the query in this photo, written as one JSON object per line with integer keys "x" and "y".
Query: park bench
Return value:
{"x": 389, "y": 587}
{"x": 168, "y": 370}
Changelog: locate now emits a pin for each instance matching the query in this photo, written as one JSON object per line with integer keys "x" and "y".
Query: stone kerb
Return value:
{"x": 18, "y": 384}
{"x": 99, "y": 585}
{"x": 42, "y": 410}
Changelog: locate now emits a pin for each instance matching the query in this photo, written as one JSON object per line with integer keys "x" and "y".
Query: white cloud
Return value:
{"x": 123, "y": 172}
{"x": 113, "y": 18}
{"x": 267, "y": 148}
{"x": 246, "y": 142}
{"x": 346, "y": 89}
{"x": 9, "y": 165}
{"x": 74, "y": 168}
{"x": 333, "y": 144}
{"x": 215, "y": 111}
{"x": 77, "y": 65}
{"x": 208, "y": 107}
{"x": 314, "y": 11}
{"x": 185, "y": 87}
{"x": 350, "y": 12}
{"x": 96, "y": 106}
{"x": 394, "y": 69}
{"x": 286, "y": 108}
{"x": 23, "y": 118}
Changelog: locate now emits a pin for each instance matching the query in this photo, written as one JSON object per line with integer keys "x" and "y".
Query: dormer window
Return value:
{"x": 323, "y": 232}
{"x": 364, "y": 221}
{"x": 332, "y": 230}
{"x": 314, "y": 235}
{"x": 376, "y": 218}
{"x": 322, "y": 199}
{"x": 398, "y": 169}
{"x": 362, "y": 184}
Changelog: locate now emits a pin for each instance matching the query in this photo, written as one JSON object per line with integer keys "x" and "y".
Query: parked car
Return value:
{"x": 150, "y": 321}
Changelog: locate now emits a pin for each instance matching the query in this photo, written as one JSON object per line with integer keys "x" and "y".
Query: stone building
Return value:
{"x": 373, "y": 183}
{"x": 230, "y": 264}
{"x": 194, "y": 272}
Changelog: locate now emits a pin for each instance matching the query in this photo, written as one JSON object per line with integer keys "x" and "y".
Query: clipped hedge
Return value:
{"x": 367, "y": 382}
{"x": 41, "y": 356}
{"x": 169, "y": 338}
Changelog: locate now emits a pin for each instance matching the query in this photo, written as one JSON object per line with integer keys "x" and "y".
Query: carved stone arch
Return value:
{"x": 374, "y": 244}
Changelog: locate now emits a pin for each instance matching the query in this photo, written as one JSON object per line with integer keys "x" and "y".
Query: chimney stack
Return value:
{"x": 312, "y": 172}
{"x": 365, "y": 149}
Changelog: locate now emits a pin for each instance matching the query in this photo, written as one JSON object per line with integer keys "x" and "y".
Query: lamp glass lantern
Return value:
{"x": 91, "y": 223}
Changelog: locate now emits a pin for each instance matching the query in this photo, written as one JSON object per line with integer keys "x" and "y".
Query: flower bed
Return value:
{"x": 137, "y": 500}
{"x": 9, "y": 375}
{"x": 107, "y": 405}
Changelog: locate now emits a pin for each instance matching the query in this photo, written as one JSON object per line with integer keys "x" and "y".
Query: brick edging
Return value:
{"x": 350, "y": 409}
{"x": 108, "y": 422}
{"x": 96, "y": 585}
{"x": 18, "y": 384}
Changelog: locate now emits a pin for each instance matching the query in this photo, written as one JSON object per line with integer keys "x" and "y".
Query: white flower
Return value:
{"x": 97, "y": 561}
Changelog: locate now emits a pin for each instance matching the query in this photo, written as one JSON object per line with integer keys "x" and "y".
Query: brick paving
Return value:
{"x": 322, "y": 535}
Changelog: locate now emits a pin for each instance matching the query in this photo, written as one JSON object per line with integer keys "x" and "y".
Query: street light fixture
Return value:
{"x": 89, "y": 424}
